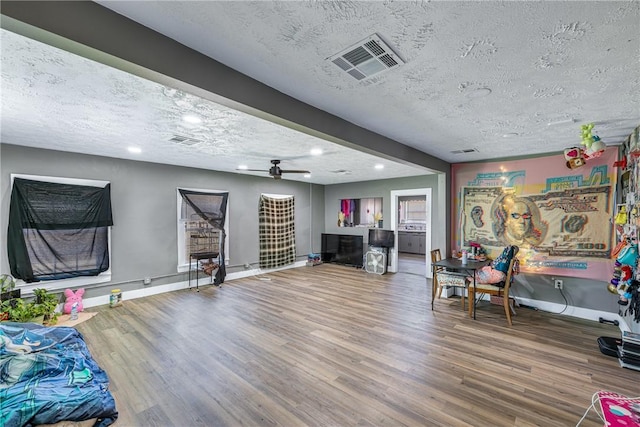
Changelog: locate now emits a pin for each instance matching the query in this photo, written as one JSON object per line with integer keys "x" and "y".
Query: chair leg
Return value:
{"x": 462, "y": 298}
{"x": 507, "y": 308}
{"x": 472, "y": 300}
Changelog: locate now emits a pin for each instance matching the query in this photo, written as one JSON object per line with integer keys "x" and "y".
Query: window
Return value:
{"x": 360, "y": 212}
{"x": 197, "y": 224}
{"x": 59, "y": 232}
{"x": 412, "y": 211}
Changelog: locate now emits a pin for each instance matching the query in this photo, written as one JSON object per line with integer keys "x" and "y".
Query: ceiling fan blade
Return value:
{"x": 293, "y": 171}
{"x": 253, "y": 170}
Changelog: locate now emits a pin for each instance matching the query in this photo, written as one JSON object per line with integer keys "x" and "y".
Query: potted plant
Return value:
{"x": 7, "y": 293}
{"x": 8, "y": 287}
{"x": 47, "y": 304}
{"x": 19, "y": 310}
{"x": 42, "y": 309}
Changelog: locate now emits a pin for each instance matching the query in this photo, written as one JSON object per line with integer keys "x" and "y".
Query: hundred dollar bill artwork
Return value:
{"x": 561, "y": 218}
{"x": 570, "y": 223}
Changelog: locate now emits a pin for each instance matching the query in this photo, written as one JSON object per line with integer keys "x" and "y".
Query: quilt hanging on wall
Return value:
{"x": 559, "y": 217}
{"x": 277, "y": 231}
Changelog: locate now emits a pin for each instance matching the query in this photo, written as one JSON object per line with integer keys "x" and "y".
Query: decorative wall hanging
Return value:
{"x": 562, "y": 219}
{"x": 277, "y": 231}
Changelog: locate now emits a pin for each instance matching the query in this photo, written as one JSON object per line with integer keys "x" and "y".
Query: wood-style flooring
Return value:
{"x": 335, "y": 346}
{"x": 412, "y": 264}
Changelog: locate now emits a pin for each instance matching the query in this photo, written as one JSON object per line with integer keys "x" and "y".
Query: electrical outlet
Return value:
{"x": 147, "y": 280}
{"x": 247, "y": 266}
{"x": 558, "y": 283}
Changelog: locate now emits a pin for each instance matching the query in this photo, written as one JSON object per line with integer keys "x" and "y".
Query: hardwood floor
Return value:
{"x": 412, "y": 264}
{"x": 335, "y": 346}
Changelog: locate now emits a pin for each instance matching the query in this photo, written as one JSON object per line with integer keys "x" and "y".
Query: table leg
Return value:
{"x": 474, "y": 296}
{"x": 433, "y": 286}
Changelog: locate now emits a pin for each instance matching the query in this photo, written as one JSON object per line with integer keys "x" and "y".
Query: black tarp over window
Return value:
{"x": 211, "y": 207}
{"x": 58, "y": 231}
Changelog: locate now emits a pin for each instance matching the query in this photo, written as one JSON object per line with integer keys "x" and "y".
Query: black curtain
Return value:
{"x": 211, "y": 207}
{"x": 58, "y": 231}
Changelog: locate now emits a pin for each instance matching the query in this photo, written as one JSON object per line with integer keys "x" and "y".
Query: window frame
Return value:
{"x": 74, "y": 282}
{"x": 182, "y": 261}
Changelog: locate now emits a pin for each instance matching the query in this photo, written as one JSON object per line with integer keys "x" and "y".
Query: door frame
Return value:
{"x": 426, "y": 192}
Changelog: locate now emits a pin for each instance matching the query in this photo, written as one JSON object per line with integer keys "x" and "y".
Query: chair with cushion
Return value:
{"x": 443, "y": 279}
{"x": 499, "y": 289}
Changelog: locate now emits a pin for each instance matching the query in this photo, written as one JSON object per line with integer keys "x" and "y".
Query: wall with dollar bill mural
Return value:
{"x": 565, "y": 214}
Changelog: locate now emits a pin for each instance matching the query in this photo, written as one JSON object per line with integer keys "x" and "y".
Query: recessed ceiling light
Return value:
{"x": 379, "y": 166}
{"x": 316, "y": 151}
{"x": 135, "y": 150}
{"x": 479, "y": 93}
{"x": 307, "y": 175}
{"x": 243, "y": 167}
{"x": 561, "y": 122}
{"x": 190, "y": 118}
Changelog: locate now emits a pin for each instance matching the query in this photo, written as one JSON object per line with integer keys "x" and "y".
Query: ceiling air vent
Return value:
{"x": 465, "y": 151}
{"x": 367, "y": 58}
{"x": 184, "y": 140}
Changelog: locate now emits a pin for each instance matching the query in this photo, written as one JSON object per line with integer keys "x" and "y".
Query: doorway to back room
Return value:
{"x": 411, "y": 223}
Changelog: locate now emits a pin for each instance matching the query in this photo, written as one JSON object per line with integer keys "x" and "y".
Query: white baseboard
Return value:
{"x": 551, "y": 307}
{"x": 154, "y": 290}
{"x": 582, "y": 313}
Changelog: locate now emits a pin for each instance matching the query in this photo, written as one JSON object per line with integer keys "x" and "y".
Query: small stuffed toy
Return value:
{"x": 73, "y": 298}
{"x": 574, "y": 157}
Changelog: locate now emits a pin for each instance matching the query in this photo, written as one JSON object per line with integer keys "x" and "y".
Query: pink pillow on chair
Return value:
{"x": 489, "y": 275}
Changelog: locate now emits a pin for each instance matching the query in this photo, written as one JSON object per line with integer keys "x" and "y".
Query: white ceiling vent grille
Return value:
{"x": 465, "y": 151}
{"x": 342, "y": 172}
{"x": 184, "y": 140}
{"x": 367, "y": 58}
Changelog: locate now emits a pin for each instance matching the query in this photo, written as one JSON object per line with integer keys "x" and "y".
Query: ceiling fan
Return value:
{"x": 275, "y": 170}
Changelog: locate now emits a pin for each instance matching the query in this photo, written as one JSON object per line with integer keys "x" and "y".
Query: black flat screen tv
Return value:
{"x": 381, "y": 238}
{"x": 342, "y": 249}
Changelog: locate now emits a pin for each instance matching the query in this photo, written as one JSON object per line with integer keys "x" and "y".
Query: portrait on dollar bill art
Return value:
{"x": 516, "y": 221}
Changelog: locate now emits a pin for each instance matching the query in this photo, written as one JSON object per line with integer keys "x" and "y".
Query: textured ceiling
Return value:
{"x": 502, "y": 78}
{"x": 57, "y": 100}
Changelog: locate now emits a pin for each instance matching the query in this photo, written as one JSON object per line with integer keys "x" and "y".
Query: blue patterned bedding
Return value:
{"x": 47, "y": 375}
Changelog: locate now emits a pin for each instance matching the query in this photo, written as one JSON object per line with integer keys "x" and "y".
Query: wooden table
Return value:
{"x": 455, "y": 265}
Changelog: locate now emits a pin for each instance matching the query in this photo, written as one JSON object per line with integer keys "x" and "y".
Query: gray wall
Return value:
{"x": 582, "y": 293}
{"x": 144, "y": 208}
{"x": 144, "y": 235}
{"x": 383, "y": 188}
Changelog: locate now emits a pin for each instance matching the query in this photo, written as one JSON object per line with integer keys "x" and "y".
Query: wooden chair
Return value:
{"x": 487, "y": 289}
{"x": 437, "y": 287}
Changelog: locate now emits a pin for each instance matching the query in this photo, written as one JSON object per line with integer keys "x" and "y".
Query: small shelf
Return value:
{"x": 197, "y": 257}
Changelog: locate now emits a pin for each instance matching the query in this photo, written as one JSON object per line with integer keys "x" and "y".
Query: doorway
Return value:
{"x": 416, "y": 262}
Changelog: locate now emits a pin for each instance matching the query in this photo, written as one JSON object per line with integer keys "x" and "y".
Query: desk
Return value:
{"x": 455, "y": 264}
